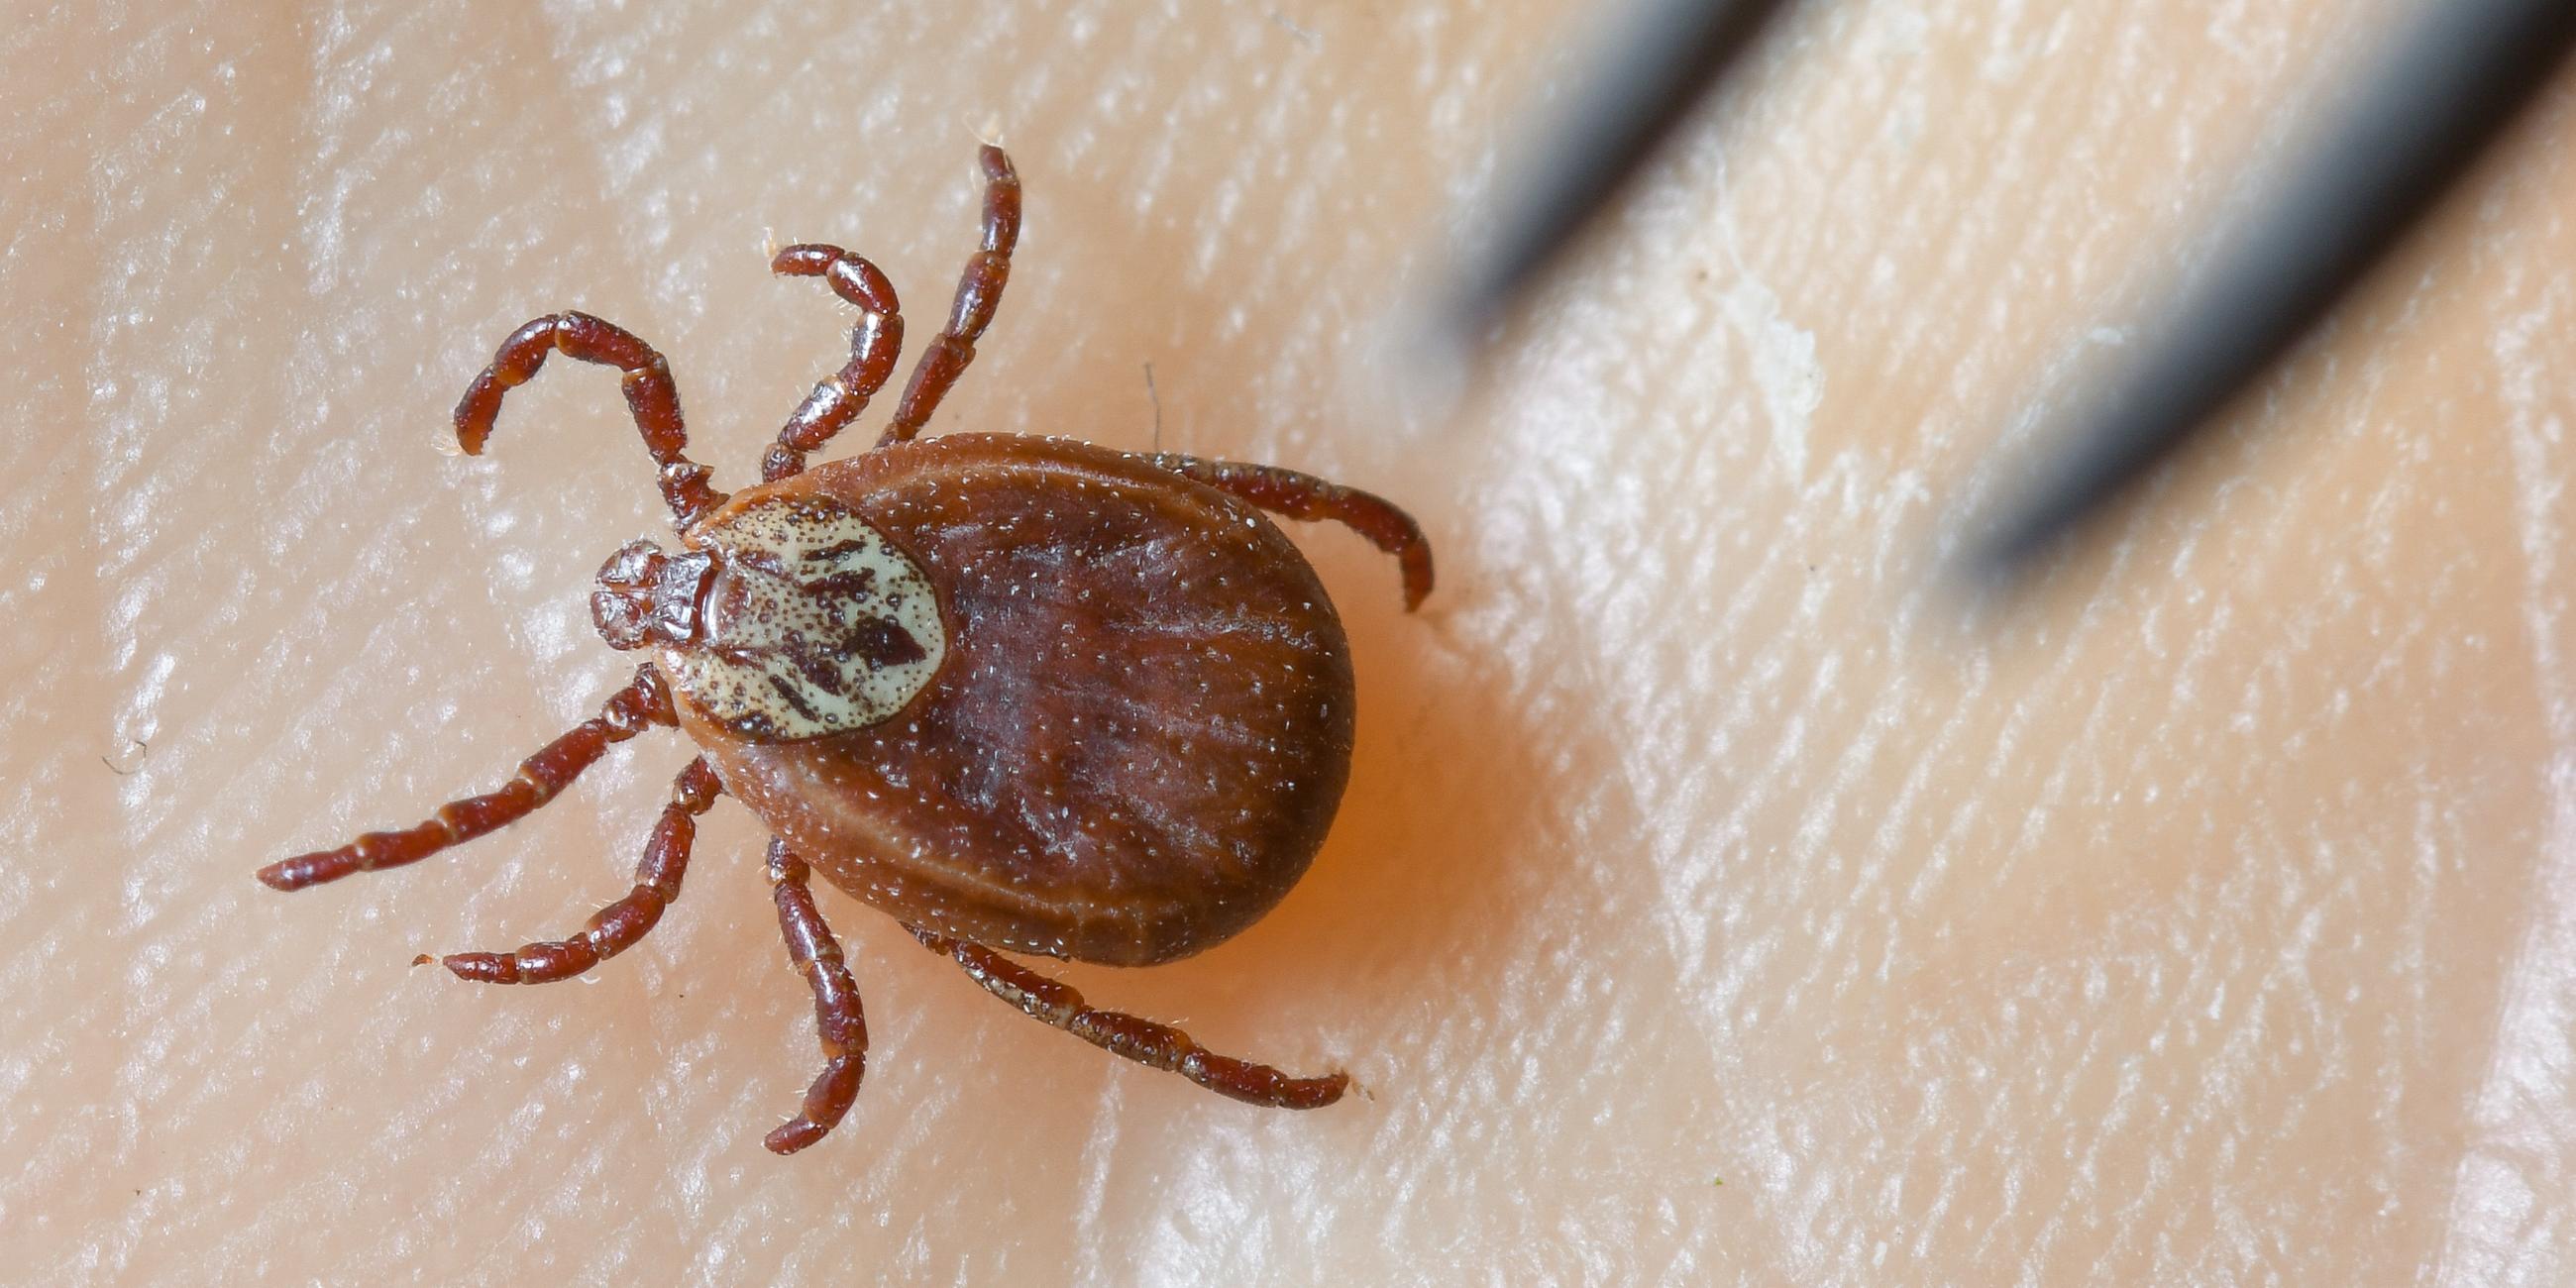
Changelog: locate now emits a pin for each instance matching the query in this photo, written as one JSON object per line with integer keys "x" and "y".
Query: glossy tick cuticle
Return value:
{"x": 1022, "y": 694}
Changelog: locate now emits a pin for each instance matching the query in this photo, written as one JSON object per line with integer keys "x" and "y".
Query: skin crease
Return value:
{"x": 2207, "y": 922}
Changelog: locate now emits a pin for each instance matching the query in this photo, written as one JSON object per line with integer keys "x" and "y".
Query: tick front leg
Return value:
{"x": 651, "y": 398}
{"x": 979, "y": 292}
{"x": 644, "y": 702}
{"x": 838, "y": 1020}
{"x": 1137, "y": 1039}
{"x": 874, "y": 344}
{"x": 617, "y": 927}
{"x": 1305, "y": 497}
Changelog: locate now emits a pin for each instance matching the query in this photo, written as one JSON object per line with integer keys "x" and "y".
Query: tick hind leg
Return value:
{"x": 1137, "y": 1039}
{"x": 643, "y": 703}
{"x": 1305, "y": 497}
{"x": 617, "y": 927}
{"x": 838, "y": 1020}
{"x": 645, "y": 376}
{"x": 874, "y": 344}
{"x": 979, "y": 292}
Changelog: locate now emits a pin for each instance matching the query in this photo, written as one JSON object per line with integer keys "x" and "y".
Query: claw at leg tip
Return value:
{"x": 789, "y": 1137}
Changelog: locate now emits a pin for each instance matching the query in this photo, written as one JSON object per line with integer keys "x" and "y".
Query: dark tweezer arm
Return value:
{"x": 2422, "y": 113}
{"x": 1660, "y": 59}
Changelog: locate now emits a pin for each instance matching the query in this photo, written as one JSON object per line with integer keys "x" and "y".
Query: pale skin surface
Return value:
{"x": 2214, "y": 923}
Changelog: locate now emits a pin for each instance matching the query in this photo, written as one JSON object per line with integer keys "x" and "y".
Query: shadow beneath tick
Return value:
{"x": 1449, "y": 799}
{"x": 1432, "y": 880}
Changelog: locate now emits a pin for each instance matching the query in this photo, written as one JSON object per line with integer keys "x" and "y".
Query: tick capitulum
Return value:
{"x": 1021, "y": 693}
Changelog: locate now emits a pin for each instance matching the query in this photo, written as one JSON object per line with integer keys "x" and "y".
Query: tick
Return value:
{"x": 1023, "y": 694}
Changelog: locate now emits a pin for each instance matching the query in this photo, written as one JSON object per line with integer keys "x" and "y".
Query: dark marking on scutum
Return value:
{"x": 820, "y": 667}
{"x": 851, "y": 582}
{"x": 763, "y": 560}
{"x": 788, "y": 693}
{"x": 883, "y": 642}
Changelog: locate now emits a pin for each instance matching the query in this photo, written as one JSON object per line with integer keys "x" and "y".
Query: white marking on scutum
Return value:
{"x": 816, "y": 624}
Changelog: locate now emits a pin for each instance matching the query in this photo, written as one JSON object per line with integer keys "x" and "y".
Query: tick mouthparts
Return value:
{"x": 647, "y": 597}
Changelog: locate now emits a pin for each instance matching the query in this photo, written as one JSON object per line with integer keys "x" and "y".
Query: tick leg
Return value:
{"x": 979, "y": 291}
{"x": 874, "y": 342}
{"x": 650, "y": 396}
{"x": 1303, "y": 496}
{"x": 837, "y": 1017}
{"x": 1140, "y": 1040}
{"x": 644, "y": 702}
{"x": 615, "y": 928}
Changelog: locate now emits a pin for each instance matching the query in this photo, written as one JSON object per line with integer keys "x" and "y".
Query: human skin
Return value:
{"x": 1713, "y": 901}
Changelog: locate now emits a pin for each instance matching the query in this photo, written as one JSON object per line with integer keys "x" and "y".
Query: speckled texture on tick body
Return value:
{"x": 1141, "y": 730}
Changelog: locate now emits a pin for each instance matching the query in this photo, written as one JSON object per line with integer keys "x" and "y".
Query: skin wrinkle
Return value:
{"x": 2507, "y": 1168}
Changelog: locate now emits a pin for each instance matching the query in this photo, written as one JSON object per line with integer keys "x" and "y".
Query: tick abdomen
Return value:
{"x": 1137, "y": 735}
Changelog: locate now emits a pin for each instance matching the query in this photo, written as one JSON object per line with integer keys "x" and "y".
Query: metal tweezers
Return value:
{"x": 2364, "y": 173}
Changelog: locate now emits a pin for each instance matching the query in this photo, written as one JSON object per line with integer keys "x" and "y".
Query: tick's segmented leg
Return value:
{"x": 646, "y": 378}
{"x": 838, "y": 1021}
{"x": 644, "y": 702}
{"x": 615, "y": 928}
{"x": 979, "y": 291}
{"x": 1140, "y": 1040}
{"x": 874, "y": 343}
{"x": 1303, "y": 496}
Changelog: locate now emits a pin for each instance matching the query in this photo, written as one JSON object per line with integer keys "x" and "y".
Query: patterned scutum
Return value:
{"x": 816, "y": 624}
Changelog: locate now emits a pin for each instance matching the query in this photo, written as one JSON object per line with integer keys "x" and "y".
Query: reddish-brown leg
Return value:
{"x": 1140, "y": 1040}
{"x": 650, "y": 395}
{"x": 615, "y": 928}
{"x": 644, "y": 702}
{"x": 1305, "y": 497}
{"x": 979, "y": 291}
{"x": 837, "y": 1017}
{"x": 874, "y": 342}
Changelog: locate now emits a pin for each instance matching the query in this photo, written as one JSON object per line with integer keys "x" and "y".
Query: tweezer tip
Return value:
{"x": 1420, "y": 364}
{"x": 2043, "y": 522}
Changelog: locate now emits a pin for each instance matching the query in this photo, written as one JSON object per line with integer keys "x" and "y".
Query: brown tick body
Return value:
{"x": 1021, "y": 693}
